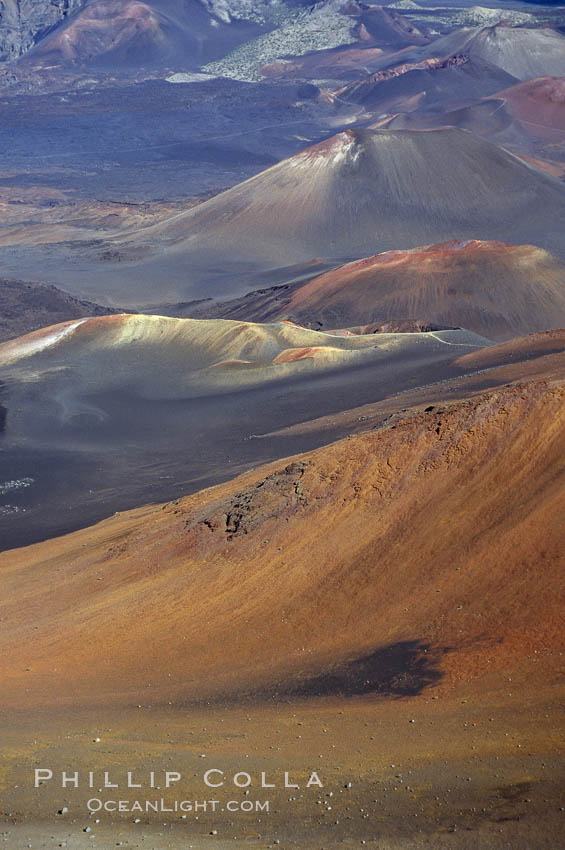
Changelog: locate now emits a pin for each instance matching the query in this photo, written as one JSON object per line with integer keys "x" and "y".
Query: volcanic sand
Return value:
{"x": 147, "y": 407}
{"x": 385, "y": 610}
{"x": 494, "y": 289}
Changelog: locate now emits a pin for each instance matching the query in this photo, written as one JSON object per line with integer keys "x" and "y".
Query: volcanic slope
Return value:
{"x": 26, "y": 307}
{"x": 491, "y": 288}
{"x": 528, "y": 118}
{"x": 132, "y": 405}
{"x": 387, "y": 609}
{"x": 122, "y": 34}
{"x": 522, "y": 52}
{"x": 355, "y": 194}
{"x": 21, "y": 27}
{"x": 295, "y": 578}
{"x": 430, "y": 83}
{"x": 161, "y": 357}
{"x": 538, "y": 103}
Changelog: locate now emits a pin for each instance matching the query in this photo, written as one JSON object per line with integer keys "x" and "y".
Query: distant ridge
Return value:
{"x": 26, "y": 307}
{"x": 521, "y": 51}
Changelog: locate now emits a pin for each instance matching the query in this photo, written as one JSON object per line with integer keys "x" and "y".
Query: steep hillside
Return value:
{"x": 520, "y": 51}
{"x": 494, "y": 289}
{"x": 124, "y": 34}
{"x": 355, "y": 194}
{"x": 296, "y": 578}
{"x": 138, "y": 404}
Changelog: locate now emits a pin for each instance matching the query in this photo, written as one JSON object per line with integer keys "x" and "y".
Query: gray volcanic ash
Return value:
{"x": 435, "y": 82}
{"x": 355, "y": 194}
{"x": 519, "y": 51}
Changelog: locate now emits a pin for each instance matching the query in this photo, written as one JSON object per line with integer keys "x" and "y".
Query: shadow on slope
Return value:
{"x": 402, "y": 669}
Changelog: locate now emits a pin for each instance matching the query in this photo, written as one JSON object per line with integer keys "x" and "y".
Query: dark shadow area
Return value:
{"x": 403, "y": 669}
{"x": 396, "y": 671}
{"x": 128, "y": 452}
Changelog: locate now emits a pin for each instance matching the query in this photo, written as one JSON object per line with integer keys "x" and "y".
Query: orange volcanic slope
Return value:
{"x": 494, "y": 289}
{"x": 533, "y": 110}
{"x": 402, "y": 558}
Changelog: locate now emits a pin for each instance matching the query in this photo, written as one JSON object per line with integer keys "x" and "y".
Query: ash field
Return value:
{"x": 282, "y": 429}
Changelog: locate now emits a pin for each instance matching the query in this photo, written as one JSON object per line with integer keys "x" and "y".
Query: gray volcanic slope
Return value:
{"x": 431, "y": 83}
{"x": 358, "y": 193}
{"x": 524, "y": 53}
{"x": 26, "y": 307}
{"x": 119, "y": 34}
{"x": 105, "y": 413}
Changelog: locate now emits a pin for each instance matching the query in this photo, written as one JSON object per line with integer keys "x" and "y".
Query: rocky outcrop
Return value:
{"x": 24, "y": 22}
{"x": 398, "y": 70}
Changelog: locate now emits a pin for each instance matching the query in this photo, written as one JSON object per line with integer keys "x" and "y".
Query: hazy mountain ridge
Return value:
{"x": 24, "y": 25}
